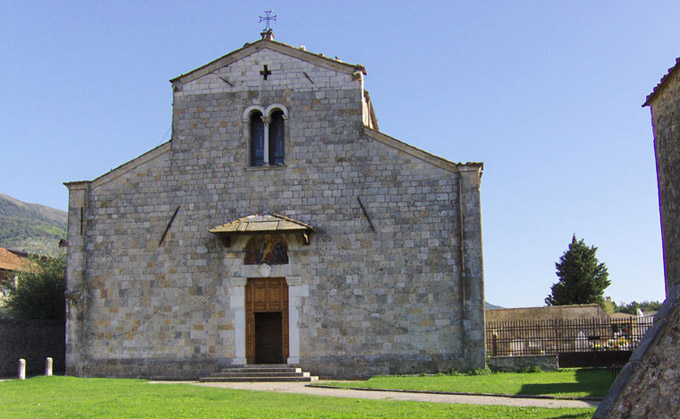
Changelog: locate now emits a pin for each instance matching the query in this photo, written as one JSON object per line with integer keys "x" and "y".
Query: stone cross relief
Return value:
{"x": 265, "y": 72}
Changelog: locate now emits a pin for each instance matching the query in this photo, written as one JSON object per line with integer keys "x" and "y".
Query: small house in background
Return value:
{"x": 11, "y": 262}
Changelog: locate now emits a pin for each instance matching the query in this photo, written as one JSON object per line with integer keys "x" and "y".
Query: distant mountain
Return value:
{"x": 31, "y": 228}
{"x": 490, "y": 306}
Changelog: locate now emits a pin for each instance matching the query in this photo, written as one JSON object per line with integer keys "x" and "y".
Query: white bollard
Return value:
{"x": 22, "y": 369}
{"x": 48, "y": 367}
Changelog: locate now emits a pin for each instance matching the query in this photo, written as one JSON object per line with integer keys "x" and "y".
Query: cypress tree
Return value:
{"x": 582, "y": 278}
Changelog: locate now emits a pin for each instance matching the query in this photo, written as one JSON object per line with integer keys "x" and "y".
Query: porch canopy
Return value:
{"x": 264, "y": 223}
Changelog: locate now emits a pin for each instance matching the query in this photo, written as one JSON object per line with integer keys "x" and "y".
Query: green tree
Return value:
{"x": 631, "y": 308}
{"x": 39, "y": 293}
{"x": 582, "y": 278}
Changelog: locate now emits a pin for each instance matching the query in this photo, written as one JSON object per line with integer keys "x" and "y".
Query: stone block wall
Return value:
{"x": 666, "y": 125}
{"x": 32, "y": 340}
{"x": 405, "y": 295}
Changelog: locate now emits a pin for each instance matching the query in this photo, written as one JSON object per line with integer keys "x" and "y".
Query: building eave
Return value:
{"x": 662, "y": 83}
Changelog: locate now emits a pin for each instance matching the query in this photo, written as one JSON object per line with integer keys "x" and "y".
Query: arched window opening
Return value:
{"x": 256, "y": 139}
{"x": 276, "y": 138}
{"x": 272, "y": 250}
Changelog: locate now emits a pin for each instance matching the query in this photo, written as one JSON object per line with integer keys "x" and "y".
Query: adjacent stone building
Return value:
{"x": 664, "y": 103}
{"x": 647, "y": 387}
{"x": 277, "y": 226}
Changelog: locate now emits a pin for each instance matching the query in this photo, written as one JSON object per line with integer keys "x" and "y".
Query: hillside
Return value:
{"x": 30, "y": 228}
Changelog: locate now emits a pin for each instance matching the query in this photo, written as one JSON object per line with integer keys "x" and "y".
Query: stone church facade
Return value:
{"x": 278, "y": 225}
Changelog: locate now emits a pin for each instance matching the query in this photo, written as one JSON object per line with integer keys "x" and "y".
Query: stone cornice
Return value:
{"x": 250, "y": 49}
{"x": 131, "y": 165}
{"x": 422, "y": 155}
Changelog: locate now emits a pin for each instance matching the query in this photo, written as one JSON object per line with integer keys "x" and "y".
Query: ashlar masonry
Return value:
{"x": 278, "y": 225}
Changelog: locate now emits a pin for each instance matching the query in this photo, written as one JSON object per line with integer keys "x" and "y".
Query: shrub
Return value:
{"x": 39, "y": 293}
{"x": 531, "y": 368}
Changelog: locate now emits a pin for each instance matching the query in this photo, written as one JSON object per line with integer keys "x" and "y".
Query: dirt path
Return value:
{"x": 301, "y": 388}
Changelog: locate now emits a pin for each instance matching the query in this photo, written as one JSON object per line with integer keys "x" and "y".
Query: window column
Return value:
{"x": 266, "y": 120}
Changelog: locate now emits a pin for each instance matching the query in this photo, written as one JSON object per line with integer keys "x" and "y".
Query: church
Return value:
{"x": 279, "y": 225}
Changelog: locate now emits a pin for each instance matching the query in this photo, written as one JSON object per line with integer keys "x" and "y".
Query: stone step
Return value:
{"x": 248, "y": 366}
{"x": 290, "y": 370}
{"x": 260, "y": 374}
{"x": 256, "y": 379}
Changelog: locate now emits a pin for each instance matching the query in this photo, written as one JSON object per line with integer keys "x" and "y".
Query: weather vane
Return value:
{"x": 268, "y": 19}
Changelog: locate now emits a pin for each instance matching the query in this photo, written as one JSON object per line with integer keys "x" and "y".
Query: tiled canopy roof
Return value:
{"x": 263, "y": 223}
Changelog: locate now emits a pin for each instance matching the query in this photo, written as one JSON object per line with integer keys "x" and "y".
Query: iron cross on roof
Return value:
{"x": 268, "y": 19}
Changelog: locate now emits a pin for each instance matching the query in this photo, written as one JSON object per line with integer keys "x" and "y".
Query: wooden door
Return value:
{"x": 266, "y": 295}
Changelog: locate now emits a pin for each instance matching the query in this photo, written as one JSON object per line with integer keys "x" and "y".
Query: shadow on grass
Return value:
{"x": 592, "y": 382}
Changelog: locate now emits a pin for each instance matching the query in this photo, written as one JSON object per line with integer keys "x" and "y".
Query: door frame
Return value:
{"x": 266, "y": 295}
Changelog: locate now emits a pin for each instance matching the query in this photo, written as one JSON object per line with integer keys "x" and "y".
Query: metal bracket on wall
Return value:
{"x": 168, "y": 227}
{"x": 308, "y": 78}
{"x": 366, "y": 214}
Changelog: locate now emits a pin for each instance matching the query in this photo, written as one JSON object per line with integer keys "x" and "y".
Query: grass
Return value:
{"x": 566, "y": 383}
{"x": 100, "y": 397}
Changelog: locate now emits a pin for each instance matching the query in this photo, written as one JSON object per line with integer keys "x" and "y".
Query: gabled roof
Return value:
{"x": 659, "y": 87}
{"x": 11, "y": 261}
{"x": 257, "y": 223}
{"x": 248, "y": 49}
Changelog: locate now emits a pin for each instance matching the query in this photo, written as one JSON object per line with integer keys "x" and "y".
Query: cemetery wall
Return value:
{"x": 32, "y": 340}
{"x": 520, "y": 363}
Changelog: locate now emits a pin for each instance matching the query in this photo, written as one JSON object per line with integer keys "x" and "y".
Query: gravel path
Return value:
{"x": 301, "y": 388}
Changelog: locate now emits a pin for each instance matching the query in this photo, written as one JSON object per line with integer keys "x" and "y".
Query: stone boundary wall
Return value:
{"x": 580, "y": 311}
{"x": 33, "y": 340}
{"x": 518, "y": 363}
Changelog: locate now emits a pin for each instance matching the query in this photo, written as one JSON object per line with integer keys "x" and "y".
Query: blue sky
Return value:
{"x": 547, "y": 94}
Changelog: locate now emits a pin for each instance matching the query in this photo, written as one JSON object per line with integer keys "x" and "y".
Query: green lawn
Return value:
{"x": 98, "y": 397}
{"x": 566, "y": 383}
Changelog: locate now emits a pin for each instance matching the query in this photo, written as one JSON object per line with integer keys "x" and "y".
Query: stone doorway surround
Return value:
{"x": 296, "y": 293}
{"x": 234, "y": 236}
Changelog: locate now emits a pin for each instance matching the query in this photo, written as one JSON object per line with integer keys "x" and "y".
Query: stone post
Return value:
{"x": 237, "y": 303}
{"x": 22, "y": 369}
{"x": 48, "y": 366}
{"x": 296, "y": 295}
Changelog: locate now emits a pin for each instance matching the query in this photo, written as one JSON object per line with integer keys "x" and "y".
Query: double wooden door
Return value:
{"x": 266, "y": 321}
